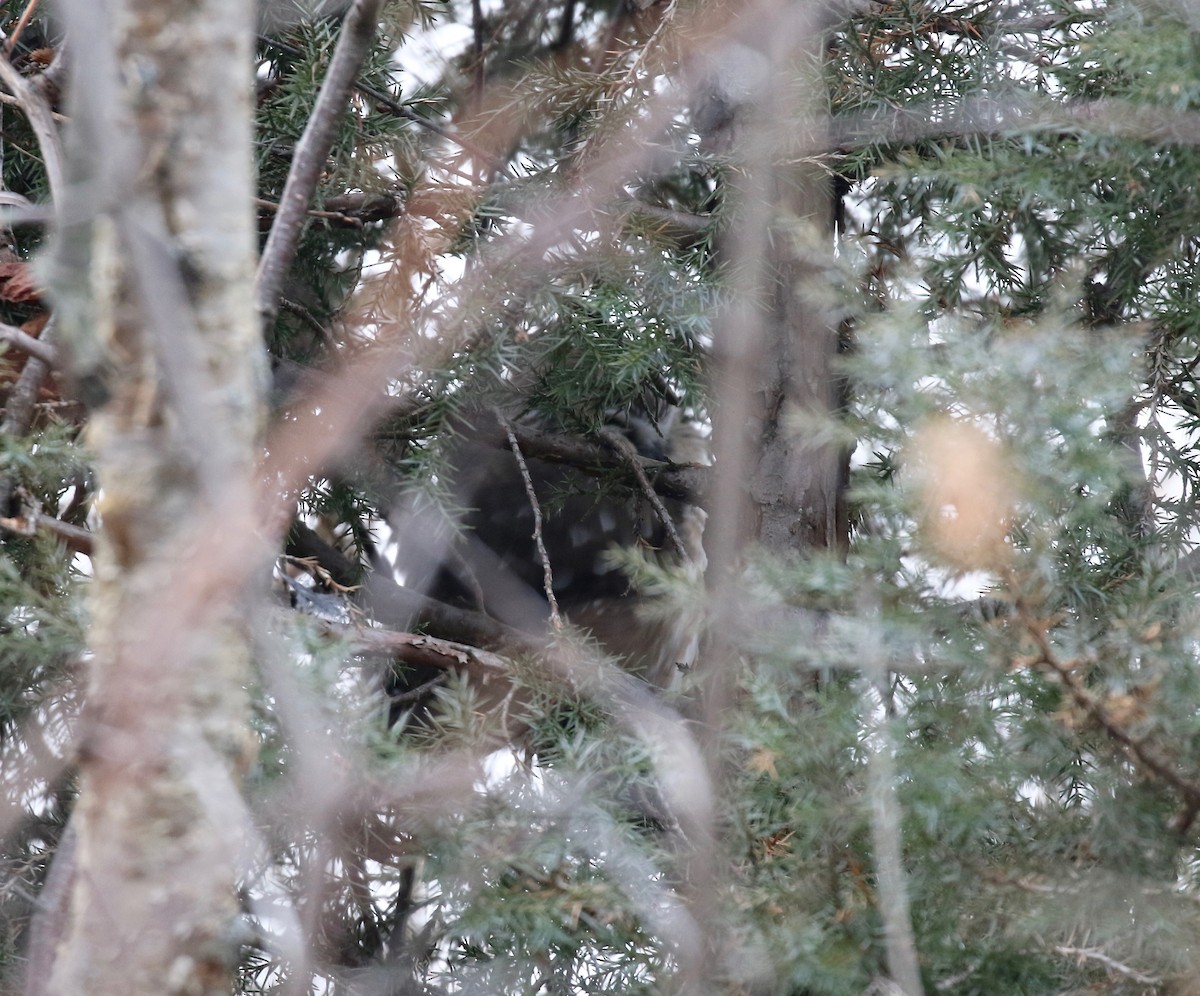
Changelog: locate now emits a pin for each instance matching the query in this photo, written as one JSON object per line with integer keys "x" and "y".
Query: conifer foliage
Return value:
{"x": 697, "y": 497}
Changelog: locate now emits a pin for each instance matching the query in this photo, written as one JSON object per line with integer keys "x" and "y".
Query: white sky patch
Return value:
{"x": 426, "y": 53}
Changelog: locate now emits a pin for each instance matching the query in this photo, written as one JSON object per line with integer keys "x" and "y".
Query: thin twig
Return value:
{"x": 547, "y": 572}
{"x": 466, "y": 574}
{"x": 629, "y": 453}
{"x": 958, "y": 978}
{"x": 11, "y": 101}
{"x": 51, "y": 913}
{"x": 566, "y": 30}
{"x": 392, "y": 602}
{"x": 417, "y": 694}
{"x": 493, "y": 162}
{"x": 418, "y": 649}
{"x": 664, "y": 20}
{"x": 309, "y": 319}
{"x": 311, "y": 154}
{"x": 1091, "y": 954}
{"x": 360, "y": 889}
{"x": 345, "y": 218}
{"x": 1142, "y": 753}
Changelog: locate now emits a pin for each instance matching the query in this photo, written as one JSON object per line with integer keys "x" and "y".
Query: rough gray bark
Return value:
{"x": 163, "y": 213}
{"x": 776, "y": 485}
{"x": 780, "y": 477}
{"x": 777, "y": 340}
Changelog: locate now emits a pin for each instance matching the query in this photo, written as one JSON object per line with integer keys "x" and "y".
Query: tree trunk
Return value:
{"x": 165, "y": 333}
{"x": 779, "y": 483}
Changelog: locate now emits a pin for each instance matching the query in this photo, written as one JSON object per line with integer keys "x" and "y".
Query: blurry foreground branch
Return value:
{"x": 159, "y": 819}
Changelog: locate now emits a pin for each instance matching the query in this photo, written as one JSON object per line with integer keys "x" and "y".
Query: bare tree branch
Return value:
{"x": 49, "y": 924}
{"x": 77, "y": 539}
{"x": 166, "y": 733}
{"x": 22, "y": 23}
{"x": 1110, "y": 963}
{"x": 31, "y": 345}
{"x": 629, "y": 454}
{"x": 42, "y": 121}
{"x": 312, "y": 151}
{"x": 547, "y": 570}
{"x": 416, "y": 648}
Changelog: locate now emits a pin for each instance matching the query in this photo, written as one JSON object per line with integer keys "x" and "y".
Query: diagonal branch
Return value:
{"x": 1110, "y": 963}
{"x": 311, "y": 154}
{"x": 626, "y": 450}
{"x": 1139, "y": 750}
{"x": 41, "y": 119}
{"x": 547, "y": 571}
{"x": 22, "y": 24}
{"x": 30, "y": 345}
